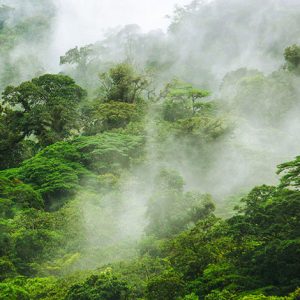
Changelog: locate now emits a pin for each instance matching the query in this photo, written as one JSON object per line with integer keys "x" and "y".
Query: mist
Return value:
{"x": 81, "y": 22}
{"x": 213, "y": 39}
{"x": 216, "y": 45}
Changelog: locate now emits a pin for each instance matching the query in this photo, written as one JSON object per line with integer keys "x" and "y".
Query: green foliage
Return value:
{"x": 46, "y": 107}
{"x": 11, "y": 292}
{"x": 76, "y": 56}
{"x": 84, "y": 172}
{"x": 244, "y": 253}
{"x": 110, "y": 115}
{"x": 192, "y": 251}
{"x": 56, "y": 172}
{"x": 223, "y": 276}
{"x": 16, "y": 195}
{"x": 260, "y": 99}
{"x": 182, "y": 101}
{"x": 83, "y": 58}
{"x": 220, "y": 295}
{"x": 35, "y": 237}
{"x": 51, "y": 177}
{"x": 166, "y": 286}
{"x": 48, "y": 288}
{"x": 291, "y": 174}
{"x": 109, "y": 152}
{"x": 13, "y": 148}
{"x": 39, "y": 288}
{"x": 52, "y": 172}
{"x": 192, "y": 296}
{"x": 106, "y": 286}
{"x": 270, "y": 245}
{"x": 292, "y": 57}
{"x": 202, "y": 129}
{"x": 7, "y": 268}
{"x": 170, "y": 210}
{"x": 292, "y": 296}
{"x": 122, "y": 83}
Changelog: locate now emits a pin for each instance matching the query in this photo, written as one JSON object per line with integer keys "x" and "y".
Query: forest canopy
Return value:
{"x": 152, "y": 166}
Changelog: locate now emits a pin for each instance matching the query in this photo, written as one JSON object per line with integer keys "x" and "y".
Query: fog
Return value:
{"x": 81, "y": 22}
{"x": 208, "y": 42}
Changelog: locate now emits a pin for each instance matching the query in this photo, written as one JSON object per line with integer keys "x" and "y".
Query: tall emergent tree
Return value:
{"x": 44, "y": 110}
{"x": 182, "y": 100}
{"x": 122, "y": 83}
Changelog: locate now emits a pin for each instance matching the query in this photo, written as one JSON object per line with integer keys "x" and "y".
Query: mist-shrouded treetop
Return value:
{"x": 122, "y": 83}
{"x": 25, "y": 30}
{"x": 292, "y": 57}
{"x": 207, "y": 39}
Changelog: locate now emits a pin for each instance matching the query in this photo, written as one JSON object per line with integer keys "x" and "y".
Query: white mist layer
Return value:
{"x": 81, "y": 22}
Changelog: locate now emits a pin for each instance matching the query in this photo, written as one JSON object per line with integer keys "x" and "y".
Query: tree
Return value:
{"x": 182, "y": 100}
{"x": 105, "y": 286}
{"x": 15, "y": 194}
{"x": 220, "y": 295}
{"x": 11, "y": 292}
{"x": 79, "y": 56}
{"x": 267, "y": 233}
{"x": 122, "y": 83}
{"x": 166, "y": 286}
{"x": 292, "y": 57}
{"x": 110, "y": 115}
{"x": 54, "y": 173}
{"x": 45, "y": 108}
{"x": 170, "y": 210}
{"x": 291, "y": 174}
{"x": 109, "y": 152}
{"x": 82, "y": 58}
{"x": 265, "y": 100}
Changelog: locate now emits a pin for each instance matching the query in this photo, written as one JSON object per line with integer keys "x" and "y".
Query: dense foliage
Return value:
{"x": 133, "y": 187}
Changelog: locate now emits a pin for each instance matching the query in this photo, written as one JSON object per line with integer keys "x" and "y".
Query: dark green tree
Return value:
{"x": 105, "y": 286}
{"x": 166, "y": 286}
{"x": 122, "y": 83}
{"x": 100, "y": 117}
{"x": 45, "y": 110}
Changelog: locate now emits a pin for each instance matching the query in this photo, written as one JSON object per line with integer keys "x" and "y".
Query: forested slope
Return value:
{"x": 135, "y": 181}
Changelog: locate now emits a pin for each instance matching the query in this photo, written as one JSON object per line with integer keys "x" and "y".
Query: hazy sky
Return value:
{"x": 83, "y": 21}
